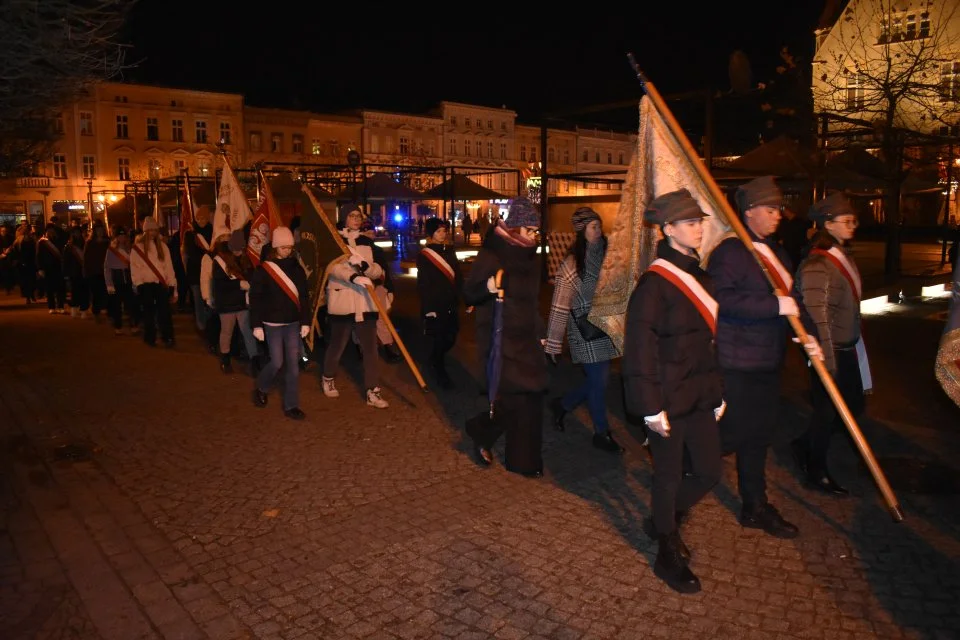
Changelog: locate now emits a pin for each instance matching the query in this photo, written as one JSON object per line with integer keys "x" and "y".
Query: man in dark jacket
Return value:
{"x": 751, "y": 342}
{"x": 197, "y": 242}
{"x": 439, "y": 282}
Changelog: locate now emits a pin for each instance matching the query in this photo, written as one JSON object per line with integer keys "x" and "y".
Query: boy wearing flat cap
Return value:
{"x": 751, "y": 342}
{"x": 671, "y": 378}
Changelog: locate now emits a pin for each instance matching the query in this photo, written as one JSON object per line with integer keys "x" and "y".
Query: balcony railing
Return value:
{"x": 34, "y": 182}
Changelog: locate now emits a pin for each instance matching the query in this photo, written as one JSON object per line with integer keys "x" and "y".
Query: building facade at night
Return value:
{"x": 124, "y": 133}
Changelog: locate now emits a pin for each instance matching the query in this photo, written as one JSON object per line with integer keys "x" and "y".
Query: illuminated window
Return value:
{"x": 59, "y": 165}
{"x": 89, "y": 167}
{"x": 225, "y": 132}
{"x": 855, "y": 92}
{"x": 404, "y": 145}
{"x": 204, "y": 167}
{"x": 315, "y": 147}
{"x": 950, "y": 80}
{"x": 154, "y": 168}
{"x": 123, "y": 168}
{"x": 86, "y": 123}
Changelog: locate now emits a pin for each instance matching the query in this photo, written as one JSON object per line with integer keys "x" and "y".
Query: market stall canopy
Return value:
{"x": 782, "y": 157}
{"x": 460, "y": 187}
{"x": 379, "y": 186}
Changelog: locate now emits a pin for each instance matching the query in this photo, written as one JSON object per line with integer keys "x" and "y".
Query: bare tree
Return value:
{"x": 889, "y": 69}
{"x": 51, "y": 52}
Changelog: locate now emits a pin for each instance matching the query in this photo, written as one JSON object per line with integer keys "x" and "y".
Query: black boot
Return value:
{"x": 225, "y": 365}
{"x": 766, "y": 517}
{"x": 822, "y": 481}
{"x": 606, "y": 442}
{"x": 259, "y": 398}
{"x": 672, "y": 568}
{"x": 559, "y": 413}
{"x": 651, "y": 531}
{"x": 256, "y": 364}
{"x": 391, "y": 353}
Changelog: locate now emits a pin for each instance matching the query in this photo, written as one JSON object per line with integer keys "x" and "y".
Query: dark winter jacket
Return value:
{"x": 73, "y": 261}
{"x": 94, "y": 255}
{"x": 270, "y": 304}
{"x": 437, "y": 292}
{"x": 669, "y": 361}
{"x": 49, "y": 258}
{"x": 751, "y": 333}
{"x": 524, "y": 368}
{"x": 229, "y": 295}
{"x": 194, "y": 252}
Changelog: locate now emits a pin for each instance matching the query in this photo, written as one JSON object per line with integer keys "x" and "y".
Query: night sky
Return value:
{"x": 408, "y": 57}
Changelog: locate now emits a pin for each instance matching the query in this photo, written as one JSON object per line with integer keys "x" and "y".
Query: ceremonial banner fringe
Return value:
{"x": 948, "y": 355}
{"x": 658, "y": 166}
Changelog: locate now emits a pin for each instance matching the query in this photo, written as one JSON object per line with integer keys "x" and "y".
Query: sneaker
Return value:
{"x": 374, "y": 399}
{"x": 330, "y": 388}
{"x": 52, "y": 311}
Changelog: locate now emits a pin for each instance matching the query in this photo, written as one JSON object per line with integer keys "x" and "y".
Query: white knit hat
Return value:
{"x": 149, "y": 224}
{"x": 282, "y": 237}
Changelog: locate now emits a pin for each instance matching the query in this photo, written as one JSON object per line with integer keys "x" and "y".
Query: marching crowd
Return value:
{"x": 701, "y": 359}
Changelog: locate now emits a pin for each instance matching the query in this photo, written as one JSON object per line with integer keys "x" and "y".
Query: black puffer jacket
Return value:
{"x": 524, "y": 363}
{"x": 669, "y": 359}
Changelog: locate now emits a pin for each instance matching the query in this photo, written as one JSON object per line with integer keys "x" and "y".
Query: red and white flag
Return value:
{"x": 266, "y": 219}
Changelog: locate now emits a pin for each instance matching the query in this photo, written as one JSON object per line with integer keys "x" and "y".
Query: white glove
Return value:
{"x": 304, "y": 331}
{"x": 812, "y": 347}
{"x": 40, "y": 273}
{"x": 658, "y": 424}
{"x": 719, "y": 411}
{"x": 788, "y": 306}
{"x": 430, "y": 314}
{"x": 245, "y": 285}
{"x": 492, "y": 285}
{"x": 363, "y": 281}
{"x": 208, "y": 302}
{"x": 356, "y": 259}
{"x": 258, "y": 334}
{"x": 111, "y": 290}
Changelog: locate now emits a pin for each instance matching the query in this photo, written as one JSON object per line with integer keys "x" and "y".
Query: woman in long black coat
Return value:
{"x": 512, "y": 246}
{"x": 672, "y": 379}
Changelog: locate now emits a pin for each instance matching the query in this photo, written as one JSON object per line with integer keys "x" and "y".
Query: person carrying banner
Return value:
{"x": 589, "y": 346}
{"x": 751, "y": 343}
{"x": 151, "y": 270}
{"x": 671, "y": 377}
{"x": 280, "y": 316}
{"x": 73, "y": 271}
{"x": 230, "y": 281}
{"x": 439, "y": 282}
{"x": 350, "y": 308}
{"x": 831, "y": 289}
{"x": 196, "y": 243}
{"x": 120, "y": 292}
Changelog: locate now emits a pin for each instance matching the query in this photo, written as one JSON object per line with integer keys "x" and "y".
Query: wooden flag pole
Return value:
{"x": 370, "y": 290}
{"x": 734, "y": 221}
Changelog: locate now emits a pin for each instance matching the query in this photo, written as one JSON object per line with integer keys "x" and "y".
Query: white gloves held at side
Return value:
{"x": 304, "y": 331}
{"x": 658, "y": 424}
{"x": 430, "y": 314}
{"x": 492, "y": 285}
{"x": 258, "y": 334}
{"x": 812, "y": 347}
{"x": 363, "y": 281}
{"x": 787, "y": 306}
{"x": 245, "y": 285}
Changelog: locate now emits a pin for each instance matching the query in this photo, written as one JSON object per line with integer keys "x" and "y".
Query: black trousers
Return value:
{"x": 79, "y": 293}
{"x": 340, "y": 331}
{"x": 98, "y": 293}
{"x": 442, "y": 332}
{"x": 123, "y": 299}
{"x": 672, "y": 490}
{"x": 825, "y": 419}
{"x": 521, "y": 416}
{"x": 56, "y": 290}
{"x": 746, "y": 429}
{"x": 155, "y": 302}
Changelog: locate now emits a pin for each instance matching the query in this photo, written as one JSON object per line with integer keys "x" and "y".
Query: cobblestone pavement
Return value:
{"x": 145, "y": 497}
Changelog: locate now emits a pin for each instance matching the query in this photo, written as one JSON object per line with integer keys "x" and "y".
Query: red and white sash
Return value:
{"x": 52, "y": 248}
{"x": 437, "y": 260}
{"x": 775, "y": 268}
{"x": 849, "y": 271}
{"x": 283, "y": 281}
{"x": 201, "y": 241}
{"x": 121, "y": 255}
{"x": 692, "y": 289}
{"x": 223, "y": 265}
{"x": 145, "y": 258}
